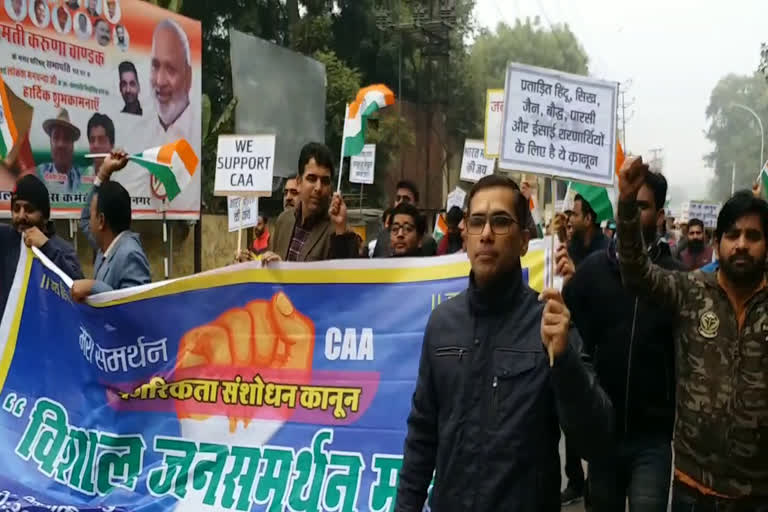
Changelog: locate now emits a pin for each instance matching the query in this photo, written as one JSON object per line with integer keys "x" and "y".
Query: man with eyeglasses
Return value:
{"x": 406, "y": 231}
{"x": 405, "y": 192}
{"x": 488, "y": 407}
{"x": 313, "y": 231}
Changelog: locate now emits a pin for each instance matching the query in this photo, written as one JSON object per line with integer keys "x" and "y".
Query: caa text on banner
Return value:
{"x": 240, "y": 389}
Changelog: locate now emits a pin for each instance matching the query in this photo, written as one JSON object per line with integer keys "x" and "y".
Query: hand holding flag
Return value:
{"x": 173, "y": 165}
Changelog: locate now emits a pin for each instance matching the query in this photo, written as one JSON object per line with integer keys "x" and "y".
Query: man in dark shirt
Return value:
{"x": 30, "y": 214}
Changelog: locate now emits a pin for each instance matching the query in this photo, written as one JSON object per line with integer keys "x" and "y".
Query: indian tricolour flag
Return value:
{"x": 601, "y": 199}
{"x": 173, "y": 165}
{"x": 15, "y": 118}
{"x": 764, "y": 180}
{"x": 441, "y": 228}
{"x": 369, "y": 100}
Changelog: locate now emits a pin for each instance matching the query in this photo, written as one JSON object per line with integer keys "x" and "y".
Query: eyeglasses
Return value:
{"x": 407, "y": 228}
{"x": 500, "y": 224}
{"x": 402, "y": 199}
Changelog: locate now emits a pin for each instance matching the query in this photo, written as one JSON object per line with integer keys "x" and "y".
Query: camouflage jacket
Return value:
{"x": 721, "y": 426}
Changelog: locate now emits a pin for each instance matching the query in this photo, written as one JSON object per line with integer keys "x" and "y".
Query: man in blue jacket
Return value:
{"x": 30, "y": 214}
{"x": 488, "y": 407}
{"x": 120, "y": 259}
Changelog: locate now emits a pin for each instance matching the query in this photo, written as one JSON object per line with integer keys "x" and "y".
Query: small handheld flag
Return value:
{"x": 173, "y": 165}
{"x": 369, "y": 100}
{"x": 15, "y": 120}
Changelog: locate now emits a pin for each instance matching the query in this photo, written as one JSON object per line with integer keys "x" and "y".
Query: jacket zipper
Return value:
{"x": 629, "y": 368}
{"x": 450, "y": 352}
{"x": 494, "y": 396}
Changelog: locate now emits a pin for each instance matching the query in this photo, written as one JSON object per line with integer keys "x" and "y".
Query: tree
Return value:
{"x": 735, "y": 132}
{"x": 528, "y": 42}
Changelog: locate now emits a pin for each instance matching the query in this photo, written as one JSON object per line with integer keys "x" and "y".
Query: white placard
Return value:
{"x": 474, "y": 164}
{"x": 244, "y": 165}
{"x": 494, "y": 117}
{"x": 558, "y": 124}
{"x": 706, "y": 212}
{"x": 456, "y": 198}
{"x": 362, "y": 166}
{"x": 249, "y": 216}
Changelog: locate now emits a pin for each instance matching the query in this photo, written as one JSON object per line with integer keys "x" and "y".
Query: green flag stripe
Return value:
{"x": 3, "y": 147}
{"x": 597, "y": 197}
{"x": 165, "y": 175}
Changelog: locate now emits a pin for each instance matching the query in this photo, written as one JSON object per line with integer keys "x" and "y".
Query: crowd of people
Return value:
{"x": 654, "y": 371}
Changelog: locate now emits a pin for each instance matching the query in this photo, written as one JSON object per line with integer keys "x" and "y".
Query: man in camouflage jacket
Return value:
{"x": 721, "y": 337}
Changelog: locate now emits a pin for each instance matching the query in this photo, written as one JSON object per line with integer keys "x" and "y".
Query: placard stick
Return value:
{"x": 240, "y": 225}
{"x": 550, "y": 349}
{"x": 165, "y": 240}
{"x": 341, "y": 159}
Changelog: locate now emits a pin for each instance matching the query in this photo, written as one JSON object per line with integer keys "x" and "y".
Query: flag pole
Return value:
{"x": 341, "y": 159}
{"x": 165, "y": 239}
{"x": 550, "y": 348}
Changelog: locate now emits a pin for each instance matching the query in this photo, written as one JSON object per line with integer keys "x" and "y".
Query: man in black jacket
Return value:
{"x": 487, "y": 409}
{"x": 30, "y": 214}
{"x": 630, "y": 340}
{"x": 587, "y": 235}
{"x": 586, "y": 238}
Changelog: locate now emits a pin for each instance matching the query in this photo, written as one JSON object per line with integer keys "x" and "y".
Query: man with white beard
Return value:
{"x": 171, "y": 80}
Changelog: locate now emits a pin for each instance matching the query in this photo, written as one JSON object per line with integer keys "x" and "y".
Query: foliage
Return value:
{"x": 343, "y": 35}
{"x": 734, "y": 132}
{"x": 528, "y": 42}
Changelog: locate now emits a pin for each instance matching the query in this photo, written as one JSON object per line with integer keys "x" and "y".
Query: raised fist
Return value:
{"x": 262, "y": 335}
{"x": 631, "y": 178}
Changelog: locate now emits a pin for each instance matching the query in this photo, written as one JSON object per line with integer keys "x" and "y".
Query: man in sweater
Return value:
{"x": 30, "y": 221}
{"x": 634, "y": 362}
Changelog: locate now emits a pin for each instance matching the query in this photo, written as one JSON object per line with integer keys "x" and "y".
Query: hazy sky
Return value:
{"x": 673, "y": 51}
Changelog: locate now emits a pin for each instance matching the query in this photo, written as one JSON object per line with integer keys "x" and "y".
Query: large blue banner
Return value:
{"x": 241, "y": 389}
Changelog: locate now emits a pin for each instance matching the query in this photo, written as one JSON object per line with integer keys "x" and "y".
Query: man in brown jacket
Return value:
{"x": 312, "y": 231}
{"x": 721, "y": 426}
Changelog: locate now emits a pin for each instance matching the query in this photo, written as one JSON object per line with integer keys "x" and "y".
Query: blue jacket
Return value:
{"x": 56, "y": 249}
{"x": 487, "y": 409}
{"x": 125, "y": 266}
{"x": 712, "y": 267}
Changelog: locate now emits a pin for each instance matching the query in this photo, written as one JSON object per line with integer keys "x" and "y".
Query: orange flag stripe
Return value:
{"x": 7, "y": 112}
{"x": 185, "y": 152}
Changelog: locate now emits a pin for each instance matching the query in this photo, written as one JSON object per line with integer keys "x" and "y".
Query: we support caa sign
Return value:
{"x": 244, "y": 165}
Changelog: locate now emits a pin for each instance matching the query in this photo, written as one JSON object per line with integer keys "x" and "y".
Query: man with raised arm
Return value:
{"x": 721, "y": 424}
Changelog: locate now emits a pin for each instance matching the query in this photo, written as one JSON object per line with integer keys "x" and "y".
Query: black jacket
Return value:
{"x": 56, "y": 249}
{"x": 630, "y": 340}
{"x": 485, "y": 410}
